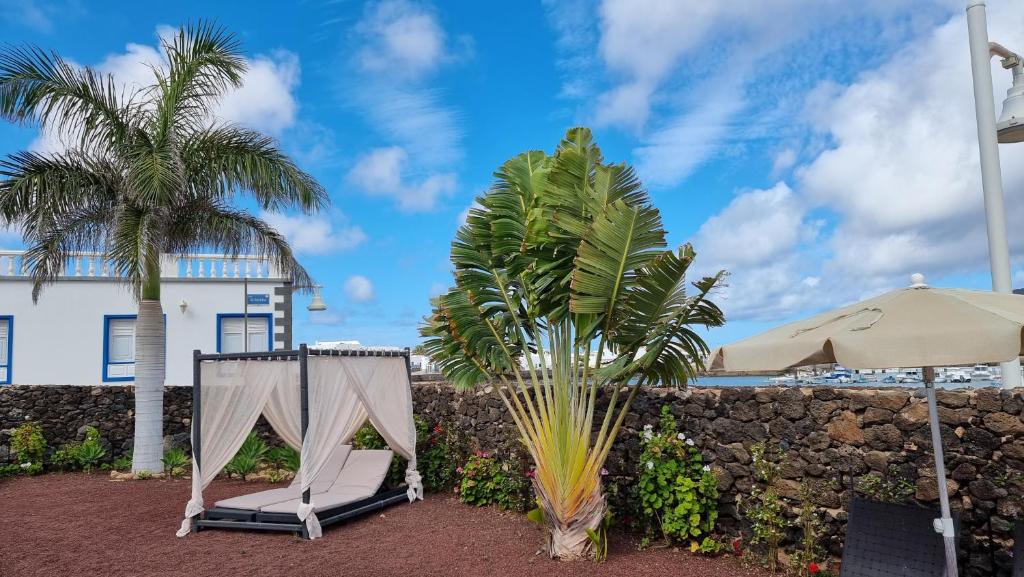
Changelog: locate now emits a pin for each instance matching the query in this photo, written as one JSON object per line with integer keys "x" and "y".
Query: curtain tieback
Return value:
{"x": 415, "y": 483}
{"x": 306, "y": 514}
{"x": 192, "y": 509}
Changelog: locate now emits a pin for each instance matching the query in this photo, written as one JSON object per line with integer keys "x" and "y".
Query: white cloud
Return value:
{"x": 757, "y": 238}
{"x": 903, "y": 173}
{"x": 719, "y": 56}
{"x": 264, "y": 102}
{"x": 316, "y": 234}
{"x": 401, "y": 38}
{"x": 383, "y": 172}
{"x": 35, "y": 15}
{"x": 359, "y": 289}
{"x": 897, "y": 179}
{"x": 783, "y": 161}
{"x": 402, "y": 45}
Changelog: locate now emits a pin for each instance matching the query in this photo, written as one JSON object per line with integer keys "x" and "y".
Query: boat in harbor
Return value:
{"x": 982, "y": 373}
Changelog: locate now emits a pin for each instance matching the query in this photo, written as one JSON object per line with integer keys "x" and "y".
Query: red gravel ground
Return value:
{"x": 63, "y": 524}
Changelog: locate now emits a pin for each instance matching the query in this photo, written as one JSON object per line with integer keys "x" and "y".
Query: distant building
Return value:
{"x": 82, "y": 331}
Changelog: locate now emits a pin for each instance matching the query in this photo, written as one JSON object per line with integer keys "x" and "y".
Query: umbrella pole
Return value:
{"x": 944, "y": 525}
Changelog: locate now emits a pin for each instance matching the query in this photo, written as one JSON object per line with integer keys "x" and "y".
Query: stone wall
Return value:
{"x": 832, "y": 437}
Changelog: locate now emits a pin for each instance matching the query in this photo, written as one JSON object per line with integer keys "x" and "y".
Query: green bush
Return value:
{"x": 485, "y": 481}
{"x": 85, "y": 455}
{"x": 678, "y": 493}
{"x": 175, "y": 461}
{"x": 436, "y": 454}
{"x": 285, "y": 458}
{"x": 122, "y": 463}
{"x": 892, "y": 488}
{"x": 29, "y": 447}
{"x": 248, "y": 458}
{"x": 764, "y": 508}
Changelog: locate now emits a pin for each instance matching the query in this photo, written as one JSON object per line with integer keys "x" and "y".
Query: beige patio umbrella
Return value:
{"x": 917, "y": 326}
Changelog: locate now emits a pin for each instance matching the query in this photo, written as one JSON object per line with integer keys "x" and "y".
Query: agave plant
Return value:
{"x": 565, "y": 293}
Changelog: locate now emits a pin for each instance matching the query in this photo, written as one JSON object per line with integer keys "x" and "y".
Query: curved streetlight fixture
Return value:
{"x": 1010, "y": 128}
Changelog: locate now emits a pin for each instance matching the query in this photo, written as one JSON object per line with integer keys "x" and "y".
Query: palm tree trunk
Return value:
{"x": 568, "y": 539}
{"x": 150, "y": 368}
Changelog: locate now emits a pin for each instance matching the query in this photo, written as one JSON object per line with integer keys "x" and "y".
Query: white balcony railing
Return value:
{"x": 192, "y": 266}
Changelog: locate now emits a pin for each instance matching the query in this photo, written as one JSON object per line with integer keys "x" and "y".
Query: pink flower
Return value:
{"x": 531, "y": 474}
{"x": 485, "y": 455}
{"x": 813, "y": 568}
{"x": 604, "y": 472}
{"x": 458, "y": 470}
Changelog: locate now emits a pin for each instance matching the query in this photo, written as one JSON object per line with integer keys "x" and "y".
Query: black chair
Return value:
{"x": 1018, "y": 549}
{"x": 890, "y": 540}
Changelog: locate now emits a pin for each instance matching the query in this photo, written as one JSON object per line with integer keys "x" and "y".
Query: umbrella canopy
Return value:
{"x": 917, "y": 326}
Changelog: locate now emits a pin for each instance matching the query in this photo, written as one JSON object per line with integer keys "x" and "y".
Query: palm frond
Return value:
{"x": 204, "y": 223}
{"x": 41, "y": 88}
{"x": 204, "y": 61}
{"x": 226, "y": 160}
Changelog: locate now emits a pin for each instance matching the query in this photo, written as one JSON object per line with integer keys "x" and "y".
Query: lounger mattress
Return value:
{"x": 326, "y": 479}
{"x": 359, "y": 479}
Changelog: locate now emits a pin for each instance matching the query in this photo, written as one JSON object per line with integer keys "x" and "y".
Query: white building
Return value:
{"x": 82, "y": 331}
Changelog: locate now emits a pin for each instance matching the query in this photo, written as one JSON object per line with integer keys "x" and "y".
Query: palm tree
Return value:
{"x": 146, "y": 172}
{"x": 564, "y": 258}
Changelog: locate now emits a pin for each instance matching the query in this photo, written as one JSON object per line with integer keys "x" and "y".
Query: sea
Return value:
{"x": 762, "y": 381}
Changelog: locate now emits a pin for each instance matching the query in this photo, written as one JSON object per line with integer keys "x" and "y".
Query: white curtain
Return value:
{"x": 382, "y": 384}
{"x": 233, "y": 394}
{"x": 334, "y": 408}
{"x": 284, "y": 408}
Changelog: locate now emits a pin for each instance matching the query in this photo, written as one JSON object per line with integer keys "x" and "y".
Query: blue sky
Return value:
{"x": 820, "y": 150}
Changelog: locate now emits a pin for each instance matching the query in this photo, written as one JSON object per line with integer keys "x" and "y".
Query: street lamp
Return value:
{"x": 1011, "y": 129}
{"x": 317, "y": 303}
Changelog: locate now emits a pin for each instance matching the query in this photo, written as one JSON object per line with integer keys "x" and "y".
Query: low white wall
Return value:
{"x": 60, "y": 340}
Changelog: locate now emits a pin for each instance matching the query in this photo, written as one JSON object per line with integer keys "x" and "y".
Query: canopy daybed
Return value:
{"x": 315, "y": 400}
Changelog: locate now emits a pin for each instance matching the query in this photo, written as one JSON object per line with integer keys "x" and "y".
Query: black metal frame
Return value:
{"x": 226, "y": 518}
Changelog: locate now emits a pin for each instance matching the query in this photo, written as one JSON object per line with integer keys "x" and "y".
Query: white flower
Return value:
{"x": 650, "y": 465}
{"x": 689, "y": 442}
{"x": 681, "y": 437}
{"x": 26, "y": 465}
{"x": 648, "y": 434}
{"x": 706, "y": 468}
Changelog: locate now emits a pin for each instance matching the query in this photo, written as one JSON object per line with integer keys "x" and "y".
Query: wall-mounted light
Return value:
{"x": 183, "y": 305}
{"x": 317, "y": 303}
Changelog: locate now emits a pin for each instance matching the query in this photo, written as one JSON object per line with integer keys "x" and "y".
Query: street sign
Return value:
{"x": 258, "y": 299}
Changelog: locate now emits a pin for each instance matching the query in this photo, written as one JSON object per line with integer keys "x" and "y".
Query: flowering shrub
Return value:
{"x": 29, "y": 446}
{"x": 804, "y": 561}
{"x": 678, "y": 493}
{"x": 764, "y": 507}
{"x": 485, "y": 481}
{"x": 436, "y": 454}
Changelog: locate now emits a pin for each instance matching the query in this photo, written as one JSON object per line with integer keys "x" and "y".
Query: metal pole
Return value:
{"x": 197, "y": 417}
{"x": 245, "y": 312}
{"x": 991, "y": 176}
{"x": 304, "y": 404}
{"x": 943, "y": 525}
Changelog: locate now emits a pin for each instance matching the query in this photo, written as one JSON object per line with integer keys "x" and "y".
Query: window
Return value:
{"x": 118, "y": 348}
{"x": 231, "y": 331}
{"x": 6, "y": 348}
